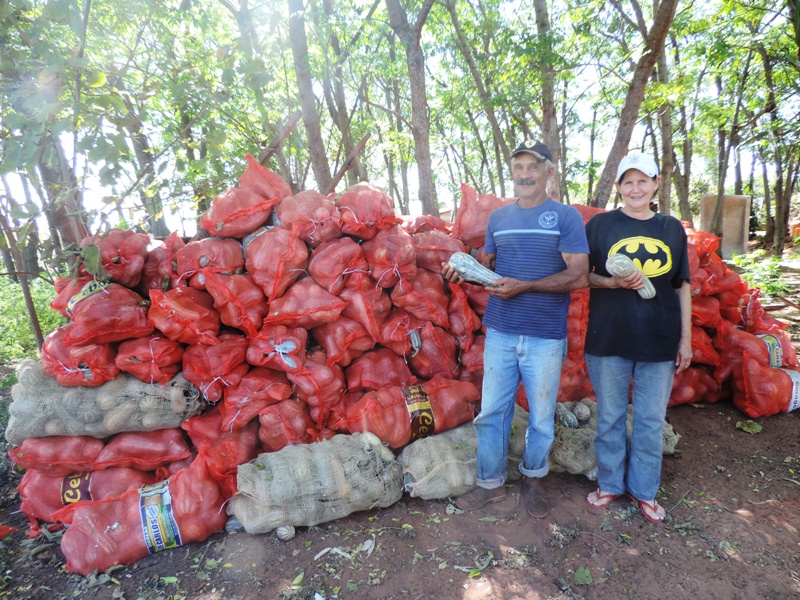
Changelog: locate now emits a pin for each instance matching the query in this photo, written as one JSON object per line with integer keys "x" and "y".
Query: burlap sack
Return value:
{"x": 313, "y": 483}
{"x": 41, "y": 407}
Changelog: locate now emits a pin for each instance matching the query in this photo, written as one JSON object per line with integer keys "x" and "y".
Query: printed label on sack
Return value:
{"x": 794, "y": 401}
{"x": 87, "y": 290}
{"x": 159, "y": 527}
{"x": 75, "y": 488}
{"x": 774, "y": 347}
{"x": 419, "y": 409}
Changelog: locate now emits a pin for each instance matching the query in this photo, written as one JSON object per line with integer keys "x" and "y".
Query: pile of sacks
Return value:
{"x": 302, "y": 318}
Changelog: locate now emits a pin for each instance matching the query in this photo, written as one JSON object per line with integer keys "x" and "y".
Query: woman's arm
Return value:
{"x": 684, "y": 357}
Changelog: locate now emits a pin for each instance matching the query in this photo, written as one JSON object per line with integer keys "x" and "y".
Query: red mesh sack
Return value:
{"x": 368, "y": 303}
{"x": 478, "y": 297}
{"x": 706, "y": 243}
{"x": 332, "y": 263}
{"x": 311, "y": 217}
{"x": 472, "y": 360}
{"x": 285, "y": 424}
{"x": 435, "y": 248}
{"x": 153, "y": 359}
{"x": 169, "y": 470}
{"x": 239, "y": 301}
{"x": 267, "y": 183}
{"x": 209, "y": 255}
{"x": 120, "y": 531}
{"x": 237, "y": 212}
{"x": 343, "y": 340}
{"x": 577, "y": 321}
{"x": 574, "y": 384}
{"x": 57, "y": 455}
{"x": 160, "y": 270}
{"x": 587, "y": 212}
{"x": 224, "y": 450}
{"x": 400, "y": 415}
{"x": 305, "y": 304}
{"x": 66, "y": 288}
{"x": 703, "y": 350}
{"x": 318, "y": 385}
{"x": 730, "y": 306}
{"x": 105, "y": 314}
{"x": 261, "y": 387}
{"x": 42, "y": 495}
{"x": 768, "y": 391}
{"x": 779, "y": 344}
{"x": 185, "y": 315}
{"x": 720, "y": 277}
{"x": 731, "y": 344}
{"x": 751, "y": 310}
{"x": 705, "y": 312}
{"x": 463, "y": 320}
{"x": 122, "y": 254}
{"x": 391, "y": 256}
{"x": 473, "y": 215}
{"x": 365, "y": 210}
{"x": 769, "y": 323}
{"x": 425, "y": 223}
{"x": 278, "y": 347}
{"x": 337, "y": 417}
{"x": 275, "y": 259}
{"x": 437, "y": 356}
{"x": 376, "y": 369}
{"x": 213, "y": 368}
{"x": 423, "y": 297}
{"x": 87, "y": 365}
{"x": 396, "y": 332}
{"x": 143, "y": 451}
{"x": 695, "y": 384}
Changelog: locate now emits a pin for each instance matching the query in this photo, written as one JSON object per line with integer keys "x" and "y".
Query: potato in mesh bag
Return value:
{"x": 314, "y": 483}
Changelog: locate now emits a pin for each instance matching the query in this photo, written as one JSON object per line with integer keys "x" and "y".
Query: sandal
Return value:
{"x": 600, "y": 499}
{"x": 652, "y": 511}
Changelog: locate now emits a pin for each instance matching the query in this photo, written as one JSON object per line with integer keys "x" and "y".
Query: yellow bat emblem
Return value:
{"x": 650, "y": 255}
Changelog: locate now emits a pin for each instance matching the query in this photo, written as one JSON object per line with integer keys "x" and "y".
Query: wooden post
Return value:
{"x": 277, "y": 141}
{"x": 347, "y": 164}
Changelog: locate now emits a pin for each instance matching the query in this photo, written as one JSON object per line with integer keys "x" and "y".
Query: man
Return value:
{"x": 539, "y": 248}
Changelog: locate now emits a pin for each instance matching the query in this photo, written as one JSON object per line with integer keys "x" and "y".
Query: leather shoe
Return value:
{"x": 535, "y": 502}
{"x": 480, "y": 497}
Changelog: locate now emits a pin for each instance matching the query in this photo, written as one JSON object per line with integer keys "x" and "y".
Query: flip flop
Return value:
{"x": 600, "y": 499}
{"x": 652, "y": 511}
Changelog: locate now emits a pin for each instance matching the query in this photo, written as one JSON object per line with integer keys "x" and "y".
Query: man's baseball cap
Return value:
{"x": 640, "y": 162}
{"x": 538, "y": 149}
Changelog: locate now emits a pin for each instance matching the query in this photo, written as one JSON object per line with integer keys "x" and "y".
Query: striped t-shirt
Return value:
{"x": 528, "y": 243}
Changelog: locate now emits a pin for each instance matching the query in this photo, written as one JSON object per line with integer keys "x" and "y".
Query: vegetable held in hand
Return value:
{"x": 470, "y": 269}
{"x": 620, "y": 265}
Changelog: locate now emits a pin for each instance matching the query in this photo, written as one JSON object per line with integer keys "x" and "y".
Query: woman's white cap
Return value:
{"x": 638, "y": 161}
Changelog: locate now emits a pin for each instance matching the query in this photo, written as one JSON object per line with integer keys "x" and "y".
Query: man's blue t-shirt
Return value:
{"x": 528, "y": 243}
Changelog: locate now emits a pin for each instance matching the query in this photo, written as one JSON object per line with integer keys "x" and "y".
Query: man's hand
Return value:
{"x": 450, "y": 274}
{"x": 507, "y": 287}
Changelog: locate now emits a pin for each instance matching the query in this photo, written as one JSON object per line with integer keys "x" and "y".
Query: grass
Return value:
{"x": 762, "y": 272}
{"x": 17, "y": 340}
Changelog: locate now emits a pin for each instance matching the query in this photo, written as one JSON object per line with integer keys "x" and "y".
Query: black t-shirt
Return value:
{"x": 622, "y": 323}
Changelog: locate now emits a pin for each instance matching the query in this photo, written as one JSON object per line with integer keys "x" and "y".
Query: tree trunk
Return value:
{"x": 667, "y": 154}
{"x": 769, "y": 225}
{"x": 654, "y": 45}
{"x": 311, "y": 118}
{"x": 410, "y": 37}
{"x": 548, "y": 98}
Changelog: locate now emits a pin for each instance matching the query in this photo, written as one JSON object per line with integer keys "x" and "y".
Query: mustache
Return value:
{"x": 526, "y": 181}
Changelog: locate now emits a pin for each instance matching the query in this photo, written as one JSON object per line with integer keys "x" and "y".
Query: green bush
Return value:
{"x": 16, "y": 335}
{"x": 760, "y": 271}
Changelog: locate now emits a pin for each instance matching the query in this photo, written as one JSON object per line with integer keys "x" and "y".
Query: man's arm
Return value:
{"x": 575, "y": 276}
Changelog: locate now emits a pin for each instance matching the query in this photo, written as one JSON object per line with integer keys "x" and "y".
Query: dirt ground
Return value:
{"x": 733, "y": 502}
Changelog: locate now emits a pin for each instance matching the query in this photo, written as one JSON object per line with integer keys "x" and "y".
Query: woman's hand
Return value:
{"x": 634, "y": 281}
{"x": 684, "y": 358}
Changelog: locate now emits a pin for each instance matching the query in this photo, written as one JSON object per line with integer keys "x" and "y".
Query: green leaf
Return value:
{"x": 749, "y": 426}
{"x": 96, "y": 79}
{"x": 583, "y": 576}
{"x": 475, "y": 573}
{"x": 169, "y": 580}
{"x": 299, "y": 579}
{"x": 489, "y": 519}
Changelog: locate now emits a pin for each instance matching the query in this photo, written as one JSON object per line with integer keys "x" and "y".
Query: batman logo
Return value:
{"x": 652, "y": 256}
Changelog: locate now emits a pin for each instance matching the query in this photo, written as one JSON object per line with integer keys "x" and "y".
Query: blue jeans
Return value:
{"x": 652, "y": 384}
{"x": 507, "y": 360}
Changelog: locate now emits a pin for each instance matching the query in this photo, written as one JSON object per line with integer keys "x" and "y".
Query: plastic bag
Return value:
{"x": 266, "y": 182}
{"x": 391, "y": 256}
{"x": 239, "y": 301}
{"x": 275, "y": 258}
{"x": 87, "y": 365}
{"x": 423, "y": 297}
{"x": 378, "y": 368}
{"x": 310, "y": 216}
{"x": 213, "y": 368}
{"x": 278, "y": 347}
{"x": 305, "y": 304}
{"x": 434, "y": 248}
{"x": 121, "y": 254}
{"x": 261, "y": 387}
{"x": 214, "y": 255}
{"x": 285, "y": 424}
{"x": 185, "y": 315}
{"x": 153, "y": 359}
{"x": 236, "y": 212}
{"x": 160, "y": 267}
{"x": 436, "y": 356}
{"x": 365, "y": 210}
{"x": 343, "y": 340}
{"x": 333, "y": 262}
{"x": 367, "y": 303}
{"x": 102, "y": 314}
{"x": 473, "y": 215}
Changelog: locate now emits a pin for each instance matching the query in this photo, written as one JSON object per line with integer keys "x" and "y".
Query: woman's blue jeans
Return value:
{"x": 630, "y": 465}
{"x": 507, "y": 360}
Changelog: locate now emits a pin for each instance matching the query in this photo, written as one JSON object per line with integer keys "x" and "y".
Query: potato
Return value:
{"x": 116, "y": 419}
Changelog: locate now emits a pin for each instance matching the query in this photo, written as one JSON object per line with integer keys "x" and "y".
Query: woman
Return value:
{"x": 632, "y": 338}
